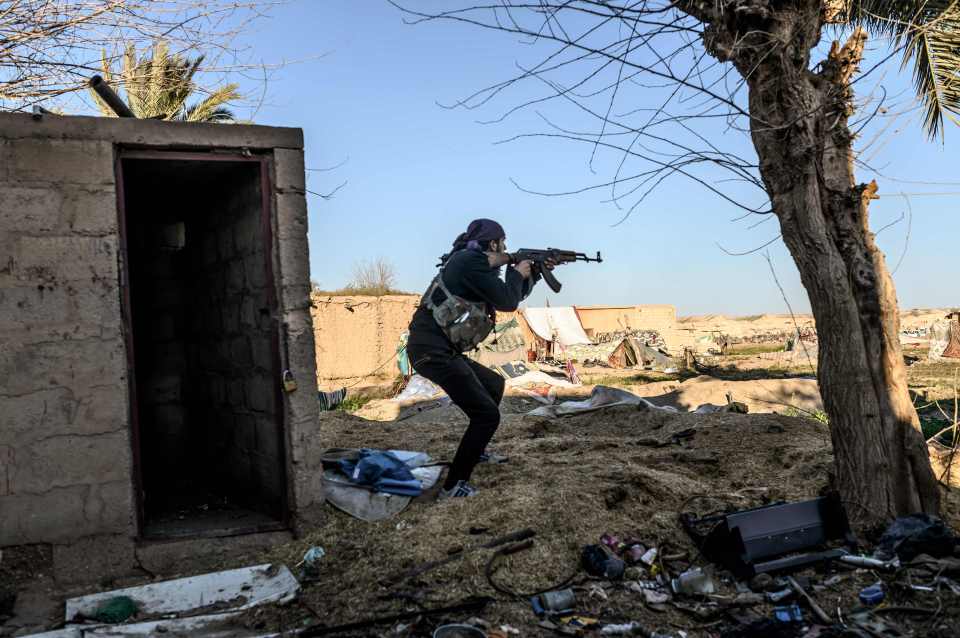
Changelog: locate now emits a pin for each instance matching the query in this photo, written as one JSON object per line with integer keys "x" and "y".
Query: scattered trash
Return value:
{"x": 310, "y": 569}
{"x": 553, "y": 602}
{"x": 458, "y": 631}
{"x": 779, "y": 596}
{"x": 649, "y": 557}
{"x": 694, "y": 581}
{"x": 910, "y": 536}
{"x": 619, "y": 630}
{"x": 114, "y": 610}
{"x": 635, "y": 553}
{"x": 752, "y": 541}
{"x": 600, "y": 564}
{"x": 655, "y": 596}
{"x": 598, "y": 592}
{"x": 788, "y": 614}
{"x": 509, "y": 630}
{"x": 866, "y": 562}
{"x": 234, "y": 589}
{"x": 872, "y": 595}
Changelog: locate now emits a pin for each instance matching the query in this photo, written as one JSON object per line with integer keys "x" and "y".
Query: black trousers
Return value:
{"x": 473, "y": 388}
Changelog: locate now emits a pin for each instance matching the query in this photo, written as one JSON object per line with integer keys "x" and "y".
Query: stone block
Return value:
{"x": 34, "y": 313}
{"x": 236, "y": 279}
{"x": 245, "y": 432}
{"x": 295, "y": 297}
{"x": 260, "y": 394}
{"x": 90, "y": 211}
{"x": 262, "y": 352}
{"x": 30, "y": 209}
{"x": 236, "y": 393}
{"x": 39, "y": 518}
{"x": 65, "y": 514}
{"x": 58, "y": 411}
{"x": 289, "y": 169}
{"x": 6, "y": 464}
{"x": 77, "y": 365}
{"x": 240, "y": 352}
{"x": 268, "y": 438}
{"x": 169, "y": 420}
{"x": 64, "y": 461}
{"x": 294, "y": 261}
{"x": 248, "y": 313}
{"x": 63, "y": 259}
{"x": 95, "y": 559}
{"x": 61, "y": 161}
{"x": 255, "y": 268}
{"x": 291, "y": 216}
{"x": 163, "y": 388}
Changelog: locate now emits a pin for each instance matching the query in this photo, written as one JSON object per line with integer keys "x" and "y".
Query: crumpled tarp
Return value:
{"x": 382, "y": 471}
{"x": 601, "y": 397}
{"x": 370, "y": 505}
{"x": 561, "y": 322}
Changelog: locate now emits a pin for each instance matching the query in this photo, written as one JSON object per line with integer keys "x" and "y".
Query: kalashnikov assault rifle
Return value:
{"x": 539, "y": 257}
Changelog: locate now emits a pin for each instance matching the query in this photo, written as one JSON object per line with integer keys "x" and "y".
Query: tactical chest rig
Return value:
{"x": 466, "y": 323}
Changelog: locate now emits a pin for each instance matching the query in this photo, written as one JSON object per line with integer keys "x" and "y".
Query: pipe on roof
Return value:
{"x": 108, "y": 95}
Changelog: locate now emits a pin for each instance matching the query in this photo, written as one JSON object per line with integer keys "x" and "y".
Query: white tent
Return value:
{"x": 556, "y": 324}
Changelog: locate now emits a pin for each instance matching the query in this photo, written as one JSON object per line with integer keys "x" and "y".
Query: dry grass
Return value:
{"x": 570, "y": 480}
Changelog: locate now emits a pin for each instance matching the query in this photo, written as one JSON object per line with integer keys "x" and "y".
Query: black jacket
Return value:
{"x": 468, "y": 274}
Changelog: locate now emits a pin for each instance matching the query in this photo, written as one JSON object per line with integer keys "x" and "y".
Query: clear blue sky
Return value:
{"x": 417, "y": 173}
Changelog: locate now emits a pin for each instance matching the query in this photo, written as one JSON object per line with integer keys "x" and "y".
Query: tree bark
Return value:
{"x": 800, "y": 132}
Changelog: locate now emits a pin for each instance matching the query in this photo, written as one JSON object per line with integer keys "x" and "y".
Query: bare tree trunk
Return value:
{"x": 800, "y": 132}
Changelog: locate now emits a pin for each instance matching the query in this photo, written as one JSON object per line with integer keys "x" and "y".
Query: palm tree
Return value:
{"x": 158, "y": 84}
{"x": 928, "y": 31}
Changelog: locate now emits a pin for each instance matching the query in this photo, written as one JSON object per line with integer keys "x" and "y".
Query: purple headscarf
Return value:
{"x": 479, "y": 233}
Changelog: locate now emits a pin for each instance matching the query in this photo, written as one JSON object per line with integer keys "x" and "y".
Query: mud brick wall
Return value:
{"x": 65, "y": 450}
{"x": 356, "y": 334}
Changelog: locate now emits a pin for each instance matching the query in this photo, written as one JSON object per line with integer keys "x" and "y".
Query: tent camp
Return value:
{"x": 503, "y": 345}
{"x": 945, "y": 338}
{"x": 556, "y": 325}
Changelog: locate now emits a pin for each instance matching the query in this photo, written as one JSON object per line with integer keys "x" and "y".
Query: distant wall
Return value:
{"x": 599, "y": 319}
{"x": 355, "y": 335}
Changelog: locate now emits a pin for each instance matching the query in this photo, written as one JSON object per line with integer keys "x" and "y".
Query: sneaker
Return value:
{"x": 492, "y": 458}
{"x": 460, "y": 490}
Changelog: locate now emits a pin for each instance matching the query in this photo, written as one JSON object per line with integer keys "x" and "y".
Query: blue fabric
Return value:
{"x": 382, "y": 471}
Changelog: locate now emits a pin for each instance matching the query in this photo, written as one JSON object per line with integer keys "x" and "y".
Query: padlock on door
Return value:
{"x": 289, "y": 383}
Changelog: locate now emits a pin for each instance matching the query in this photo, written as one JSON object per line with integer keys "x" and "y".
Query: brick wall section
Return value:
{"x": 64, "y": 440}
{"x": 355, "y": 335}
{"x": 65, "y": 453}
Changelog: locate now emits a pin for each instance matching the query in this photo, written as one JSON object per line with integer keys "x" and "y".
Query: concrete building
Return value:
{"x": 154, "y": 292}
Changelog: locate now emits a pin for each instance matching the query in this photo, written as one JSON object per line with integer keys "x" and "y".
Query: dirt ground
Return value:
{"x": 618, "y": 470}
{"x": 569, "y": 480}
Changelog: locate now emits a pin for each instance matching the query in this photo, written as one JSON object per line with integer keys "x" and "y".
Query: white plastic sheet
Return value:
{"x": 601, "y": 397}
{"x": 556, "y": 324}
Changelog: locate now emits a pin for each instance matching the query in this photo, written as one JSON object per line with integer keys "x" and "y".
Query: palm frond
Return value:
{"x": 107, "y": 75}
{"x": 929, "y": 32}
{"x": 211, "y": 108}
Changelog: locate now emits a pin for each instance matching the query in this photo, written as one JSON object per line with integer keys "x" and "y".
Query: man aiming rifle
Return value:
{"x": 456, "y": 314}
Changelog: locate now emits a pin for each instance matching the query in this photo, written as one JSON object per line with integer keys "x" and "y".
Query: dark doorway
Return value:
{"x": 199, "y": 297}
